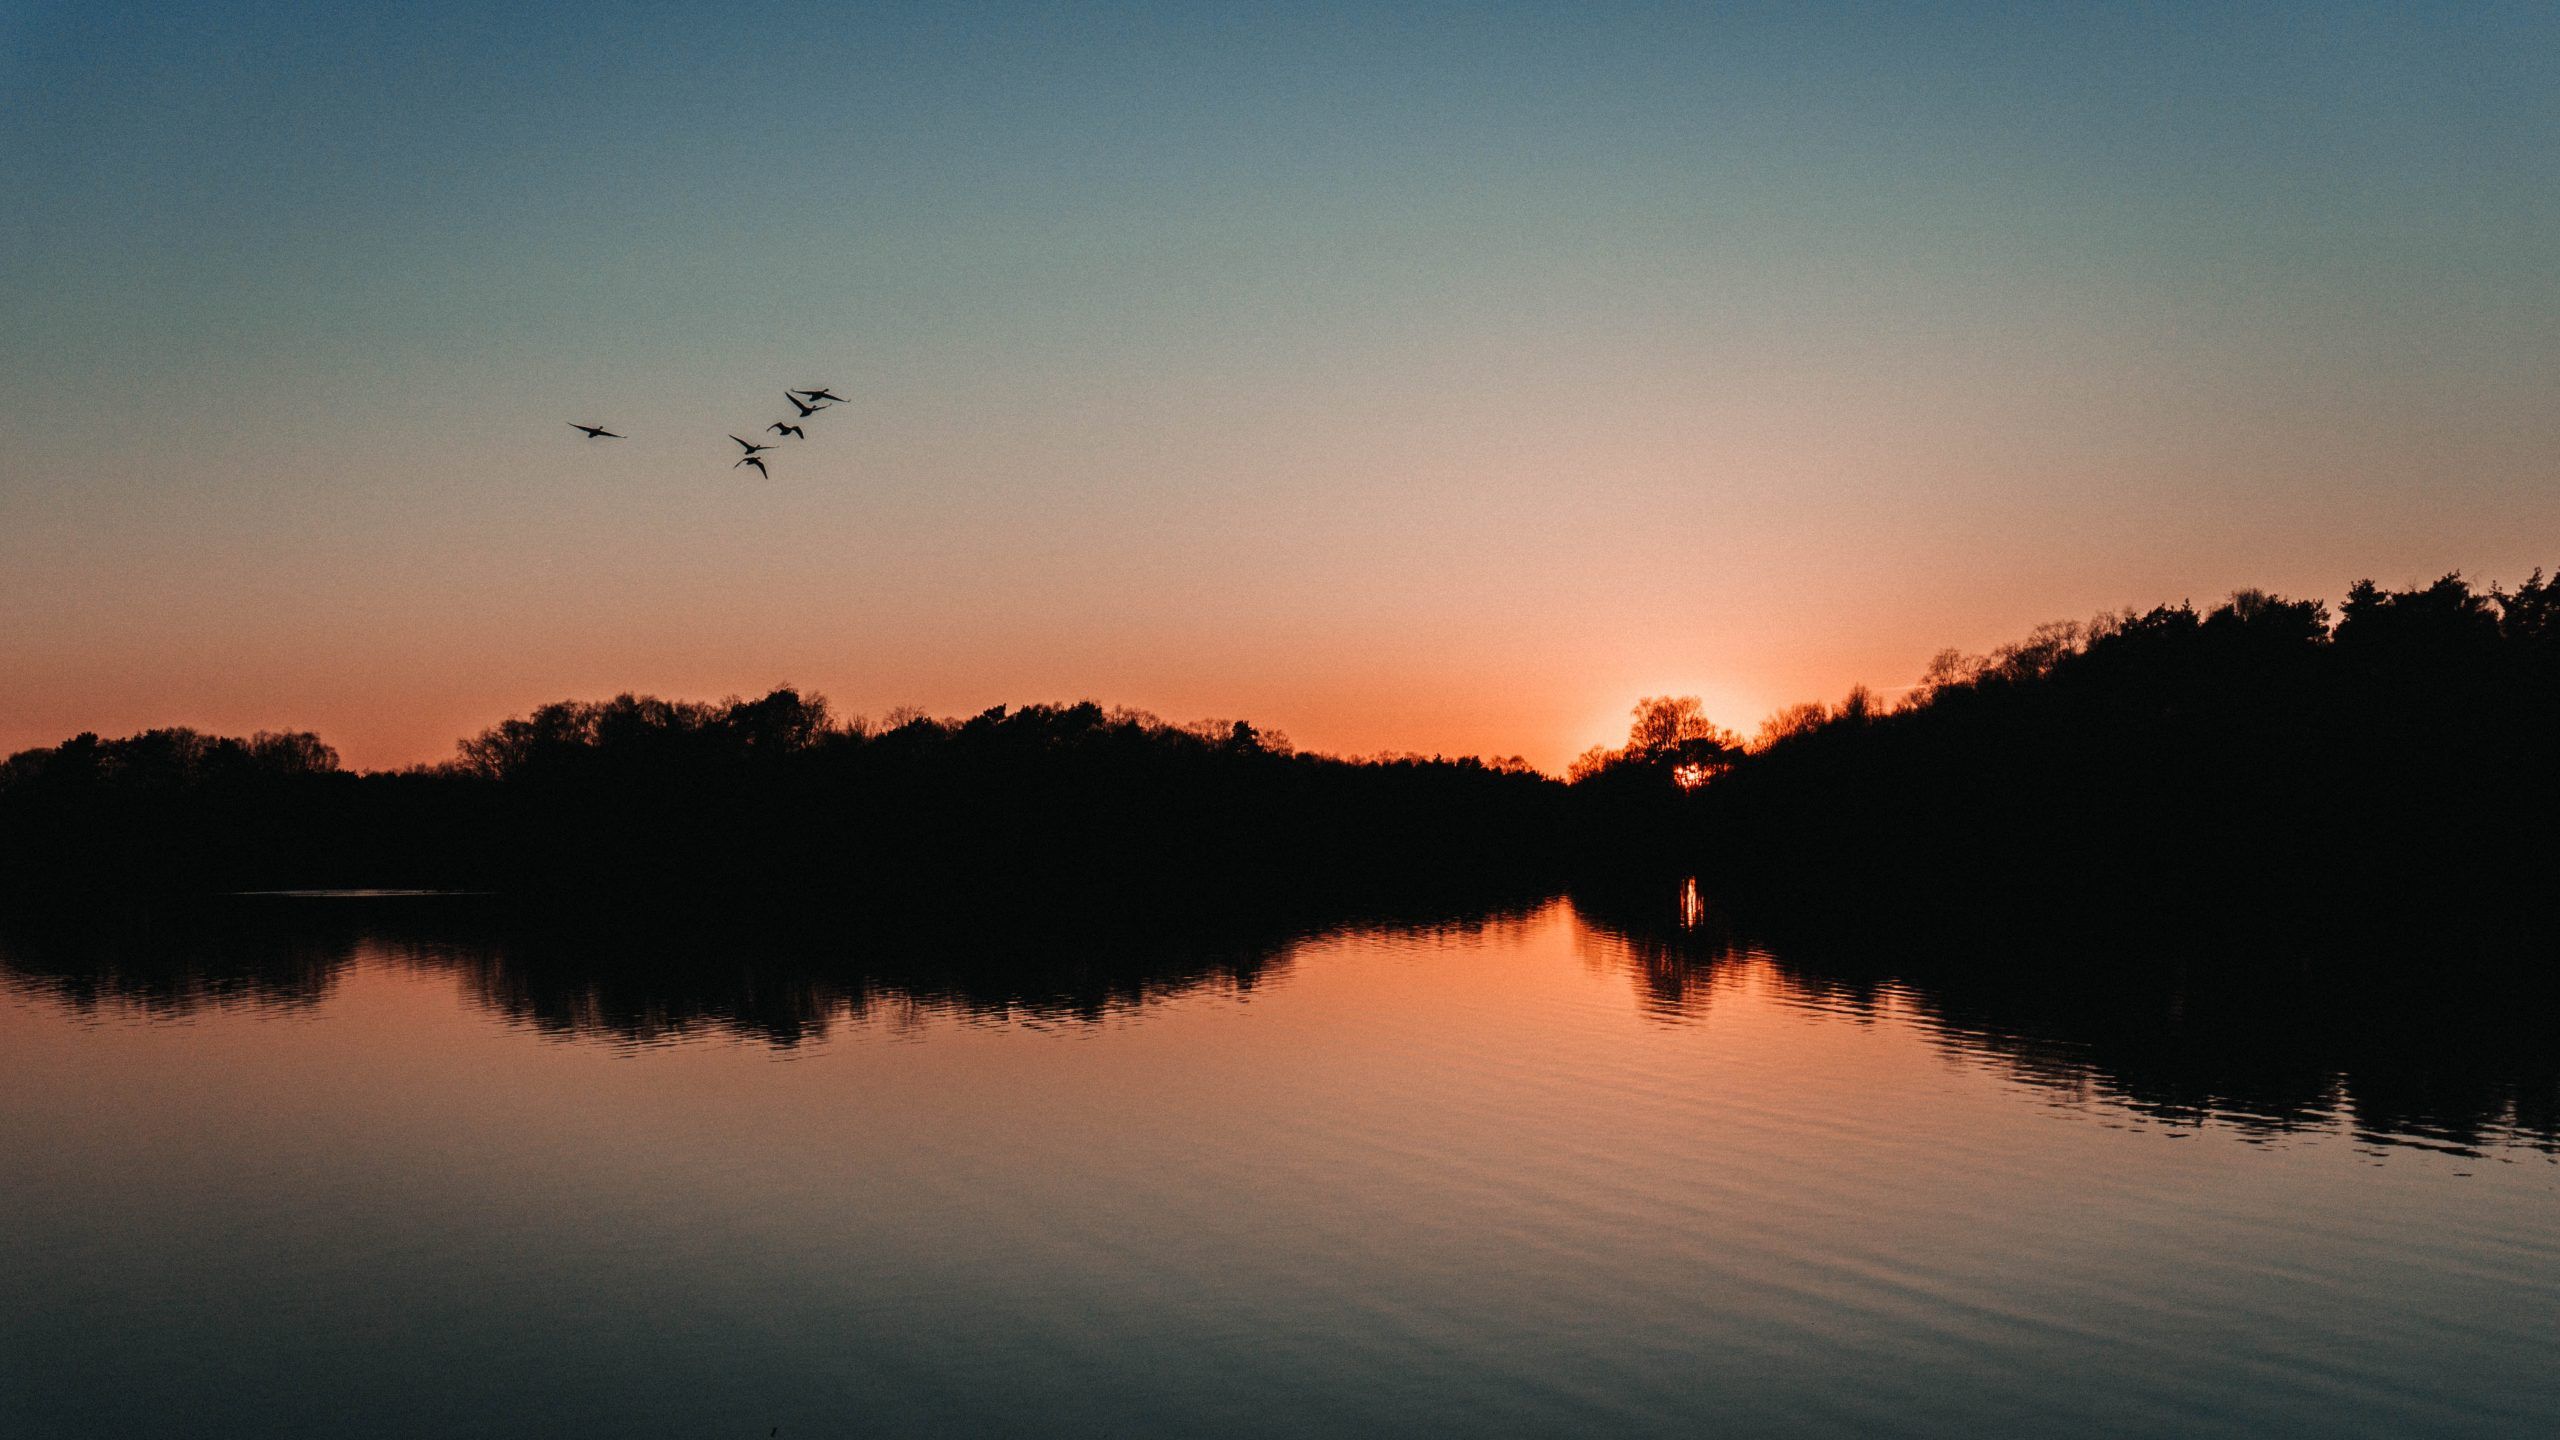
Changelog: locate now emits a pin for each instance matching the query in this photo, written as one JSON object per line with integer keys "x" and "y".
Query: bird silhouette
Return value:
{"x": 794, "y": 431}
{"x": 759, "y": 464}
{"x": 594, "y": 432}
{"x": 824, "y": 395}
{"x": 805, "y": 410}
{"x": 750, "y": 448}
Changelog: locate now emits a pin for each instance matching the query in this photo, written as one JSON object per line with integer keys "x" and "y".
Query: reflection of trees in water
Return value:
{"x": 166, "y": 965}
{"x": 2441, "y": 1044}
{"x": 786, "y": 982}
{"x": 2422, "y": 1044}
{"x": 779, "y": 979}
{"x": 1686, "y": 955}
{"x": 785, "y": 988}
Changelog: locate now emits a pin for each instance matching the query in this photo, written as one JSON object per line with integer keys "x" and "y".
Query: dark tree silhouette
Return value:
{"x": 2402, "y": 756}
{"x": 2405, "y": 756}
{"x": 640, "y": 796}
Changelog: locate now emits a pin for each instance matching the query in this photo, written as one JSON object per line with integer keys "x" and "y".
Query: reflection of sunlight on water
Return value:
{"x": 1693, "y": 906}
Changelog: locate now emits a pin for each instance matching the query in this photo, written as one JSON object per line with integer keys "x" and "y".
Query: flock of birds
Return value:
{"x": 807, "y": 402}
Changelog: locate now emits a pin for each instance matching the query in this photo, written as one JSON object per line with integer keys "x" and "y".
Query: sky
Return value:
{"x": 1415, "y": 378}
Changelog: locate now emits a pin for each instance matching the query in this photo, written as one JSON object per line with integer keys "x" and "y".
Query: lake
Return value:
{"x": 383, "y": 1167}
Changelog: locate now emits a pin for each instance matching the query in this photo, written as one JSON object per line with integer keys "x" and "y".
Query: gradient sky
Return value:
{"x": 1414, "y": 378}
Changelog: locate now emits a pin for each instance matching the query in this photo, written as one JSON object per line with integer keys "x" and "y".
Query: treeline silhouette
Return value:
{"x": 638, "y": 797}
{"x": 2401, "y": 757}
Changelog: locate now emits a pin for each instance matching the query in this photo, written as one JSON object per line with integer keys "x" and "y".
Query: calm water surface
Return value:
{"x": 1518, "y": 1176}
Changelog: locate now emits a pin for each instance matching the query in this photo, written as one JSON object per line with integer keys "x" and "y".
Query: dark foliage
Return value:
{"x": 2404, "y": 756}
{"x": 640, "y": 798}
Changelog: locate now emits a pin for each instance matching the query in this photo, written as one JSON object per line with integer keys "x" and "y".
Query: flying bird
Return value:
{"x": 824, "y": 395}
{"x": 751, "y": 460}
{"x": 594, "y": 432}
{"x": 750, "y": 449}
{"x": 793, "y": 431}
{"x": 805, "y": 410}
